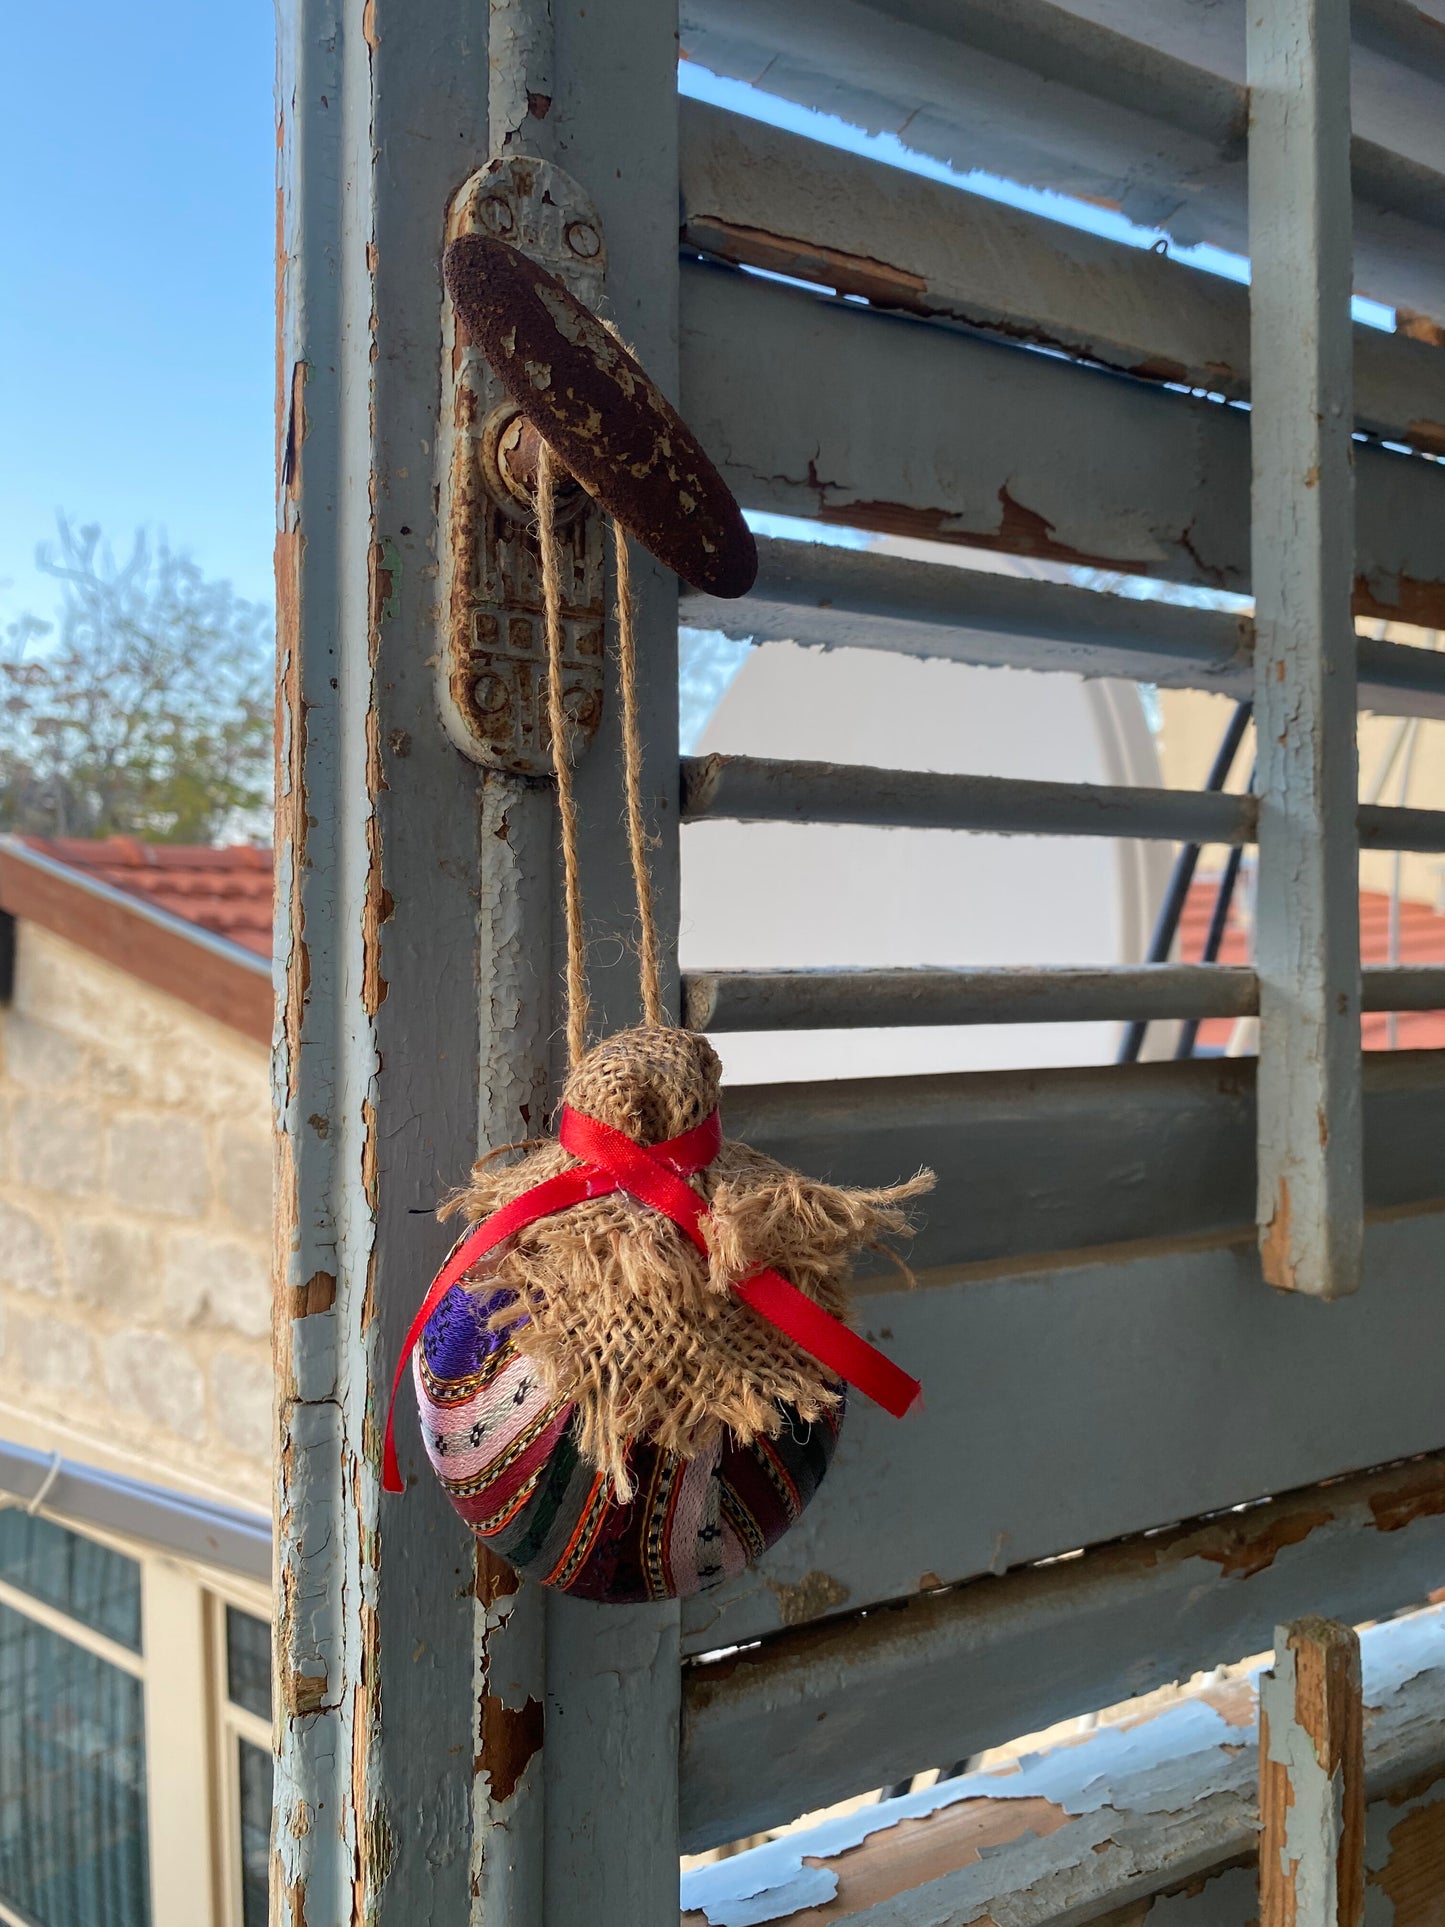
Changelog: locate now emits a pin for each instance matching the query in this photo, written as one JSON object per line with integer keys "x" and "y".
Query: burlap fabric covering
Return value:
{"x": 617, "y": 1310}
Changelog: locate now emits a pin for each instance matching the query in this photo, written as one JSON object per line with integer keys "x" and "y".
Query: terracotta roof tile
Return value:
{"x": 1422, "y": 941}
{"x": 225, "y": 891}
{"x": 228, "y": 892}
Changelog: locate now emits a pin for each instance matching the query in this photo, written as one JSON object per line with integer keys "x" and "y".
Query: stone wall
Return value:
{"x": 135, "y": 1228}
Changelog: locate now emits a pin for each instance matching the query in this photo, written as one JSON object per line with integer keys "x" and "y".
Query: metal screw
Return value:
{"x": 490, "y": 695}
{"x": 497, "y": 215}
{"x": 583, "y": 239}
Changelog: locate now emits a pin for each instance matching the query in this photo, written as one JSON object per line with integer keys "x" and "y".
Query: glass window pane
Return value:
{"x": 72, "y": 1783}
{"x": 248, "y": 1662}
{"x": 255, "y": 1833}
{"x": 74, "y": 1574}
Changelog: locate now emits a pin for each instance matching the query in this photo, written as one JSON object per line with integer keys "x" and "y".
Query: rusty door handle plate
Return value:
{"x": 584, "y": 394}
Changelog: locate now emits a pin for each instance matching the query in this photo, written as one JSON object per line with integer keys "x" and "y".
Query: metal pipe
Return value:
{"x": 1166, "y": 924}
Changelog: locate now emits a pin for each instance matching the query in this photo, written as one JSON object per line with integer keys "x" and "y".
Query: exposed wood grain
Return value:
{"x": 1150, "y": 1816}
{"x": 1312, "y": 1779}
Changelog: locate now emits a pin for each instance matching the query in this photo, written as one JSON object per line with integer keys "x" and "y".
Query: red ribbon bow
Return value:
{"x": 608, "y": 1161}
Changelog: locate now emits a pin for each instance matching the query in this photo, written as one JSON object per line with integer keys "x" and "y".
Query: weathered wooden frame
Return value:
{"x": 456, "y": 1746}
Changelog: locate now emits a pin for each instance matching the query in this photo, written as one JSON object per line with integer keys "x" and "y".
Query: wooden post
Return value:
{"x": 1312, "y": 1779}
{"x": 1310, "y": 1199}
{"x": 453, "y": 1747}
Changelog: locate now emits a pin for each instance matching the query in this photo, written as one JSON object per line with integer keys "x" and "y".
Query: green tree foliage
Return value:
{"x": 144, "y": 709}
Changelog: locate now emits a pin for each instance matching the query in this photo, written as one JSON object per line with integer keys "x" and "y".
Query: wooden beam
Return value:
{"x": 1122, "y": 1361}
{"x": 834, "y": 598}
{"x": 1161, "y": 1804}
{"x": 761, "y": 789}
{"x": 756, "y": 195}
{"x": 416, "y": 929}
{"x": 822, "y": 999}
{"x": 1307, "y": 939}
{"x": 1111, "y": 1153}
{"x": 378, "y": 846}
{"x": 817, "y": 407}
{"x": 1146, "y": 112}
{"x": 822, "y": 1712}
{"x": 1312, "y": 1779}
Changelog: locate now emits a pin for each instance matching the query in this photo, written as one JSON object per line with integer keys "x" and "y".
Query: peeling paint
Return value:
{"x": 1276, "y": 1252}
{"x": 510, "y": 1738}
{"x": 318, "y": 1294}
{"x": 1159, "y": 1806}
{"x": 815, "y": 1594}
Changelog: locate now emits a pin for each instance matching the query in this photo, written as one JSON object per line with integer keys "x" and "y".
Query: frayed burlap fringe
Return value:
{"x": 615, "y": 1305}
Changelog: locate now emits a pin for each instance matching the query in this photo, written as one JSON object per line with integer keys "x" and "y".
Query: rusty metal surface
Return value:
{"x": 493, "y": 665}
{"x": 604, "y": 416}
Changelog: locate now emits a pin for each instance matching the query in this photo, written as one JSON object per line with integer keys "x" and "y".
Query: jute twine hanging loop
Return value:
{"x": 631, "y": 1369}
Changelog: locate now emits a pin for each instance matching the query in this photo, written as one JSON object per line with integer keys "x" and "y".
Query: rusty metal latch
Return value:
{"x": 493, "y": 660}
{"x": 526, "y": 360}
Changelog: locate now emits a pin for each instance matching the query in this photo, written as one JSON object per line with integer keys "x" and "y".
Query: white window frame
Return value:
{"x": 192, "y": 1780}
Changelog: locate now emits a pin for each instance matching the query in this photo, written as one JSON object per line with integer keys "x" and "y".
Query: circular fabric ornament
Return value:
{"x": 630, "y": 1371}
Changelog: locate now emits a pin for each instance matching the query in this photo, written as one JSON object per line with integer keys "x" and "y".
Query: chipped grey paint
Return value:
{"x": 1307, "y": 939}
{"x": 818, "y": 407}
{"x": 1142, "y": 107}
{"x": 873, "y": 1697}
{"x": 775, "y": 200}
{"x": 1123, "y": 1361}
{"x": 1138, "y": 1809}
{"x": 758, "y": 789}
{"x": 820, "y": 999}
{"x": 832, "y": 598}
{"x": 376, "y": 1062}
{"x": 1314, "y": 1817}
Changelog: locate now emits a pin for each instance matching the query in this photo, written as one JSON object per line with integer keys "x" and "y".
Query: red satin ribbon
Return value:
{"x": 611, "y": 1161}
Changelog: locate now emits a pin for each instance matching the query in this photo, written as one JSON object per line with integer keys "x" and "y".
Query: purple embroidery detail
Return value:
{"x": 456, "y": 1339}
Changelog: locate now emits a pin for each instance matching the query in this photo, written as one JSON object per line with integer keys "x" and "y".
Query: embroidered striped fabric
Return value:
{"x": 506, "y": 1455}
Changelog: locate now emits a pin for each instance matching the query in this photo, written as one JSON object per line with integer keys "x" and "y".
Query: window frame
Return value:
{"x": 191, "y": 1727}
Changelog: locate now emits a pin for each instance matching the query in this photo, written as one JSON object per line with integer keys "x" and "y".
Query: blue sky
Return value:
{"x": 136, "y": 324}
{"x": 137, "y": 327}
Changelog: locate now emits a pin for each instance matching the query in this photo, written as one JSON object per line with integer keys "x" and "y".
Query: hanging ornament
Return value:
{"x": 631, "y": 1369}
